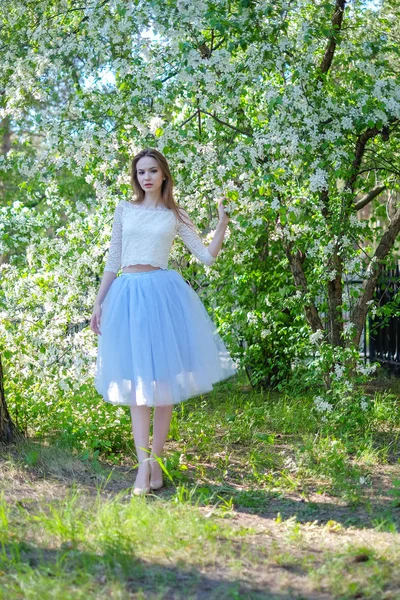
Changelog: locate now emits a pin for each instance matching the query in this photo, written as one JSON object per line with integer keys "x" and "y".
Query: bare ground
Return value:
{"x": 280, "y": 545}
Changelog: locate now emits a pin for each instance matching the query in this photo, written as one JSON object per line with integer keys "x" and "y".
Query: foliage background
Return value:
{"x": 241, "y": 99}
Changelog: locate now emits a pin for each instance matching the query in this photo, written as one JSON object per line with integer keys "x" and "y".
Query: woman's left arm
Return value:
{"x": 217, "y": 241}
{"x": 193, "y": 241}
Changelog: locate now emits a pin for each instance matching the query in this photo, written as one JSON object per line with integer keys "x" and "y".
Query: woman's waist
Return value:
{"x": 151, "y": 257}
{"x": 140, "y": 268}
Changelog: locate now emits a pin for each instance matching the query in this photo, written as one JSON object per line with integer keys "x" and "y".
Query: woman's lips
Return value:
{"x": 148, "y": 184}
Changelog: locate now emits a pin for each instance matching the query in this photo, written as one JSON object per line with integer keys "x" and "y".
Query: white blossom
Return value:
{"x": 275, "y": 204}
{"x": 322, "y": 405}
{"x": 318, "y": 180}
{"x": 317, "y": 336}
{"x": 339, "y": 371}
{"x": 252, "y": 318}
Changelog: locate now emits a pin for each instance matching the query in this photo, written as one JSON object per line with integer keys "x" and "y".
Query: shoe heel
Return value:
{"x": 141, "y": 491}
{"x": 157, "y": 485}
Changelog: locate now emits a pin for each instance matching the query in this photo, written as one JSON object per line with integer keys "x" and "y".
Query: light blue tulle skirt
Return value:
{"x": 158, "y": 344}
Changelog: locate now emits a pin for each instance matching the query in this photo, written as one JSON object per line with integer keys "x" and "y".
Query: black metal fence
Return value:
{"x": 381, "y": 339}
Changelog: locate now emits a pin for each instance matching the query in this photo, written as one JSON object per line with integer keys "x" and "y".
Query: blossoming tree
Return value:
{"x": 290, "y": 108}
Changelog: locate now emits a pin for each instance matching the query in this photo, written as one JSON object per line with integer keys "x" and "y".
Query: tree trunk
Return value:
{"x": 359, "y": 314}
{"x": 335, "y": 299}
{"x": 300, "y": 281}
{"x": 337, "y": 20}
{"x": 5, "y": 146}
{"x": 6, "y": 136}
{"x": 8, "y": 431}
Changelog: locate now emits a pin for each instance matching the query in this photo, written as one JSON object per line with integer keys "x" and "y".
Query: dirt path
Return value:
{"x": 290, "y": 547}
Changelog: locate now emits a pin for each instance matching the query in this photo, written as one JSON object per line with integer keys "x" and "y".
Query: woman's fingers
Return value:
{"x": 221, "y": 208}
{"x": 95, "y": 324}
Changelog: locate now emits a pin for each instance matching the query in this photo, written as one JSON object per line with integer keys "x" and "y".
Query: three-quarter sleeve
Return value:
{"x": 193, "y": 241}
{"x": 113, "y": 262}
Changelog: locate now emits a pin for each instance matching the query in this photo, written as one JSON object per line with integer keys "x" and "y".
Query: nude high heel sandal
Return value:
{"x": 142, "y": 491}
{"x": 155, "y": 484}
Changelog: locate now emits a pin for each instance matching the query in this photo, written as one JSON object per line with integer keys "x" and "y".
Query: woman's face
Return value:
{"x": 149, "y": 172}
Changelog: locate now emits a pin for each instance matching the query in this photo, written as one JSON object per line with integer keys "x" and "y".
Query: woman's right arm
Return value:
{"x": 113, "y": 265}
{"x": 107, "y": 279}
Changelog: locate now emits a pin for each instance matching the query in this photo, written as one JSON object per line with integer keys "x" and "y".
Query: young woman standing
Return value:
{"x": 157, "y": 345}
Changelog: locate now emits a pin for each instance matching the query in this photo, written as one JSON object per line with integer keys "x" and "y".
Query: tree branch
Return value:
{"x": 360, "y": 149}
{"x": 359, "y": 313}
{"x": 300, "y": 281}
{"x": 248, "y": 133}
{"x": 370, "y": 196}
{"x": 337, "y": 20}
{"x": 190, "y": 118}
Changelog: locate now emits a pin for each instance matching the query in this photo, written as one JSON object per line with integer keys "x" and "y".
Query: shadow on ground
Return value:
{"x": 57, "y": 470}
{"x": 136, "y": 576}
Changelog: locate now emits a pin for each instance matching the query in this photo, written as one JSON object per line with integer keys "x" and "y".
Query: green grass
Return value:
{"x": 105, "y": 548}
{"x": 360, "y": 572}
{"x": 261, "y": 502}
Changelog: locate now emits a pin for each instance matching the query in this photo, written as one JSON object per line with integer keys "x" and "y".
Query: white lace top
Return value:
{"x": 144, "y": 235}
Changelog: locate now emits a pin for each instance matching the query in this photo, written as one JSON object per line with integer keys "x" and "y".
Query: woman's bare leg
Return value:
{"x": 140, "y": 429}
{"x": 161, "y": 423}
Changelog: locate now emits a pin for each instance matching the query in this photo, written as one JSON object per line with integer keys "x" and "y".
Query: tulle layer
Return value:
{"x": 158, "y": 344}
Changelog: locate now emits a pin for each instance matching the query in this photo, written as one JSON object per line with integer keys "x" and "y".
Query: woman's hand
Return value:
{"x": 223, "y": 216}
{"x": 95, "y": 319}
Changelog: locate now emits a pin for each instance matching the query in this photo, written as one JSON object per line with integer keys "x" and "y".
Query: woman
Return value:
{"x": 157, "y": 345}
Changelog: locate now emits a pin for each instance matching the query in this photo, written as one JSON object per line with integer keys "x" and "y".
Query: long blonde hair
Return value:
{"x": 167, "y": 185}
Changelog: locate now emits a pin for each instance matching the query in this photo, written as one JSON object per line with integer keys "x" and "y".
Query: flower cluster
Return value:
{"x": 322, "y": 405}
